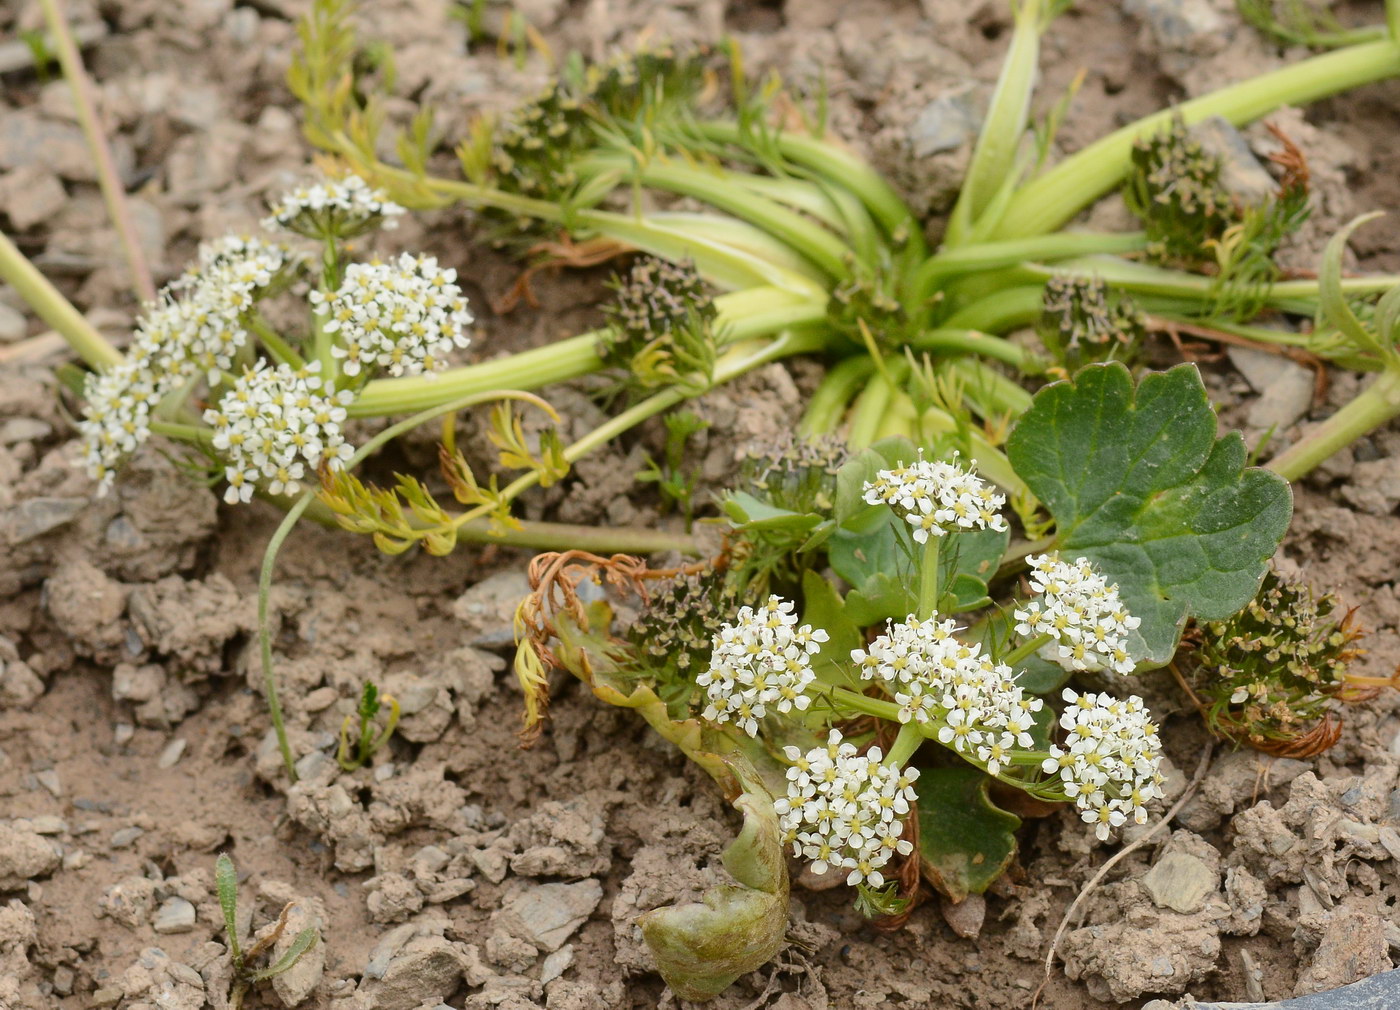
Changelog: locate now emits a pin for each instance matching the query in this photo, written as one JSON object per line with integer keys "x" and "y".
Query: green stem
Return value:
{"x": 742, "y": 315}
{"x": 1057, "y": 196}
{"x": 906, "y": 742}
{"x": 1026, "y": 648}
{"x": 828, "y": 403}
{"x": 813, "y": 241}
{"x": 269, "y": 563}
{"x": 835, "y": 164}
{"x": 282, "y": 351}
{"x": 869, "y": 412}
{"x": 994, "y": 255}
{"x": 1006, "y": 310}
{"x": 50, "y": 306}
{"x": 864, "y": 704}
{"x": 928, "y": 579}
{"x": 972, "y": 342}
{"x": 113, "y": 193}
{"x": 1373, "y": 407}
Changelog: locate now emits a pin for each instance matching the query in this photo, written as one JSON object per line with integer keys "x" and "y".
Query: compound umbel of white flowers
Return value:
{"x": 333, "y": 209}
{"x": 275, "y": 426}
{"x": 761, "y": 661}
{"x": 1079, "y": 615}
{"x": 403, "y": 316}
{"x": 195, "y": 328}
{"x": 937, "y": 497}
{"x": 1110, "y": 760}
{"x": 977, "y": 705}
{"x": 843, "y": 809}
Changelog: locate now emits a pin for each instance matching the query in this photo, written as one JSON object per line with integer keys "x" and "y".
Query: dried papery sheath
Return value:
{"x": 760, "y": 663}
{"x": 979, "y": 708}
{"x": 334, "y": 209}
{"x": 937, "y": 497}
{"x": 403, "y": 316}
{"x": 843, "y": 809}
{"x": 1082, "y": 613}
{"x": 1109, "y": 761}
{"x": 275, "y": 427}
{"x": 195, "y": 328}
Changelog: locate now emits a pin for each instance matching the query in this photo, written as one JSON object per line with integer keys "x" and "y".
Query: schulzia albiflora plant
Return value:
{"x": 872, "y": 650}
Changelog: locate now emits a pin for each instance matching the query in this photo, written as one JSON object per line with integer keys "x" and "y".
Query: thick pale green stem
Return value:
{"x": 107, "y": 178}
{"x": 1373, "y": 407}
{"x": 269, "y": 564}
{"x": 1057, "y": 196}
{"x": 828, "y": 403}
{"x": 908, "y": 740}
{"x": 972, "y": 342}
{"x": 994, "y": 255}
{"x": 994, "y": 157}
{"x": 854, "y": 701}
{"x": 1026, "y": 648}
{"x": 928, "y": 579}
{"x": 742, "y": 315}
{"x": 50, "y": 306}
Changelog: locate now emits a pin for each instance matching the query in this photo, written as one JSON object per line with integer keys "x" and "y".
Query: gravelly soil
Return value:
{"x": 132, "y": 730}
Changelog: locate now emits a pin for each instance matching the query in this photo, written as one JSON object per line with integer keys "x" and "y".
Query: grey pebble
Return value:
{"x": 48, "y": 778}
{"x": 123, "y": 837}
{"x": 175, "y": 916}
{"x": 174, "y": 750}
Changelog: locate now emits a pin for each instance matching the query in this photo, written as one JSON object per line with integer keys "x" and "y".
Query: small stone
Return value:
{"x": 1181, "y": 882}
{"x": 48, "y": 824}
{"x": 124, "y": 837}
{"x": 945, "y": 124}
{"x": 22, "y": 429}
{"x": 174, "y": 750}
{"x": 427, "y": 969}
{"x": 122, "y": 733}
{"x": 25, "y": 855}
{"x": 108, "y": 995}
{"x": 13, "y": 326}
{"x": 556, "y": 964}
{"x": 29, "y": 196}
{"x": 175, "y": 916}
{"x": 487, "y": 609}
{"x": 1353, "y": 947}
{"x": 63, "y": 979}
{"x": 299, "y": 981}
{"x": 48, "y": 778}
{"x": 34, "y": 517}
{"x": 1375, "y": 486}
{"x": 384, "y": 772}
{"x": 966, "y": 917}
{"x": 320, "y": 699}
{"x": 550, "y": 913}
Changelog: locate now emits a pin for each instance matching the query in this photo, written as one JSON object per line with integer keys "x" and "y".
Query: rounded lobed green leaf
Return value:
{"x": 1138, "y": 483}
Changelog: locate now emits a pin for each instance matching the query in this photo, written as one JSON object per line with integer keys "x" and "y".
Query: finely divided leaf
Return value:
{"x": 1139, "y": 484}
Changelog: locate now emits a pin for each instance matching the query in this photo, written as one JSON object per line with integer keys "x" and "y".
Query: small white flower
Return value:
{"x": 843, "y": 809}
{"x": 334, "y": 209}
{"x": 403, "y": 317}
{"x": 275, "y": 426}
{"x": 937, "y": 497}
{"x": 763, "y": 659}
{"x": 1081, "y": 611}
{"x": 1109, "y": 761}
{"x": 194, "y": 328}
{"x": 937, "y": 679}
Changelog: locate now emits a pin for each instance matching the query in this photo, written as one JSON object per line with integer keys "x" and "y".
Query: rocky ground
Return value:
{"x": 458, "y": 868}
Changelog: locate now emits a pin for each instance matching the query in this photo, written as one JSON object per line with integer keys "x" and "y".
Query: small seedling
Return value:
{"x": 245, "y": 973}
{"x": 370, "y": 737}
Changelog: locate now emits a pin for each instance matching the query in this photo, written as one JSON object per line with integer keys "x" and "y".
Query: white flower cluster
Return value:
{"x": 842, "y": 809}
{"x": 334, "y": 209}
{"x": 402, "y": 316}
{"x": 762, "y": 660}
{"x": 937, "y": 497}
{"x": 981, "y": 710}
{"x": 1109, "y": 763}
{"x": 196, "y": 327}
{"x": 276, "y": 425}
{"x": 1082, "y": 612}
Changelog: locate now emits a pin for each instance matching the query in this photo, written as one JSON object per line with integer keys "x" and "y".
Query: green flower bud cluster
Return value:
{"x": 1269, "y": 672}
{"x": 661, "y": 326}
{"x": 1082, "y": 322}
{"x": 536, "y": 150}
{"x": 794, "y": 473}
{"x": 1177, "y": 188}
{"x": 672, "y": 639}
